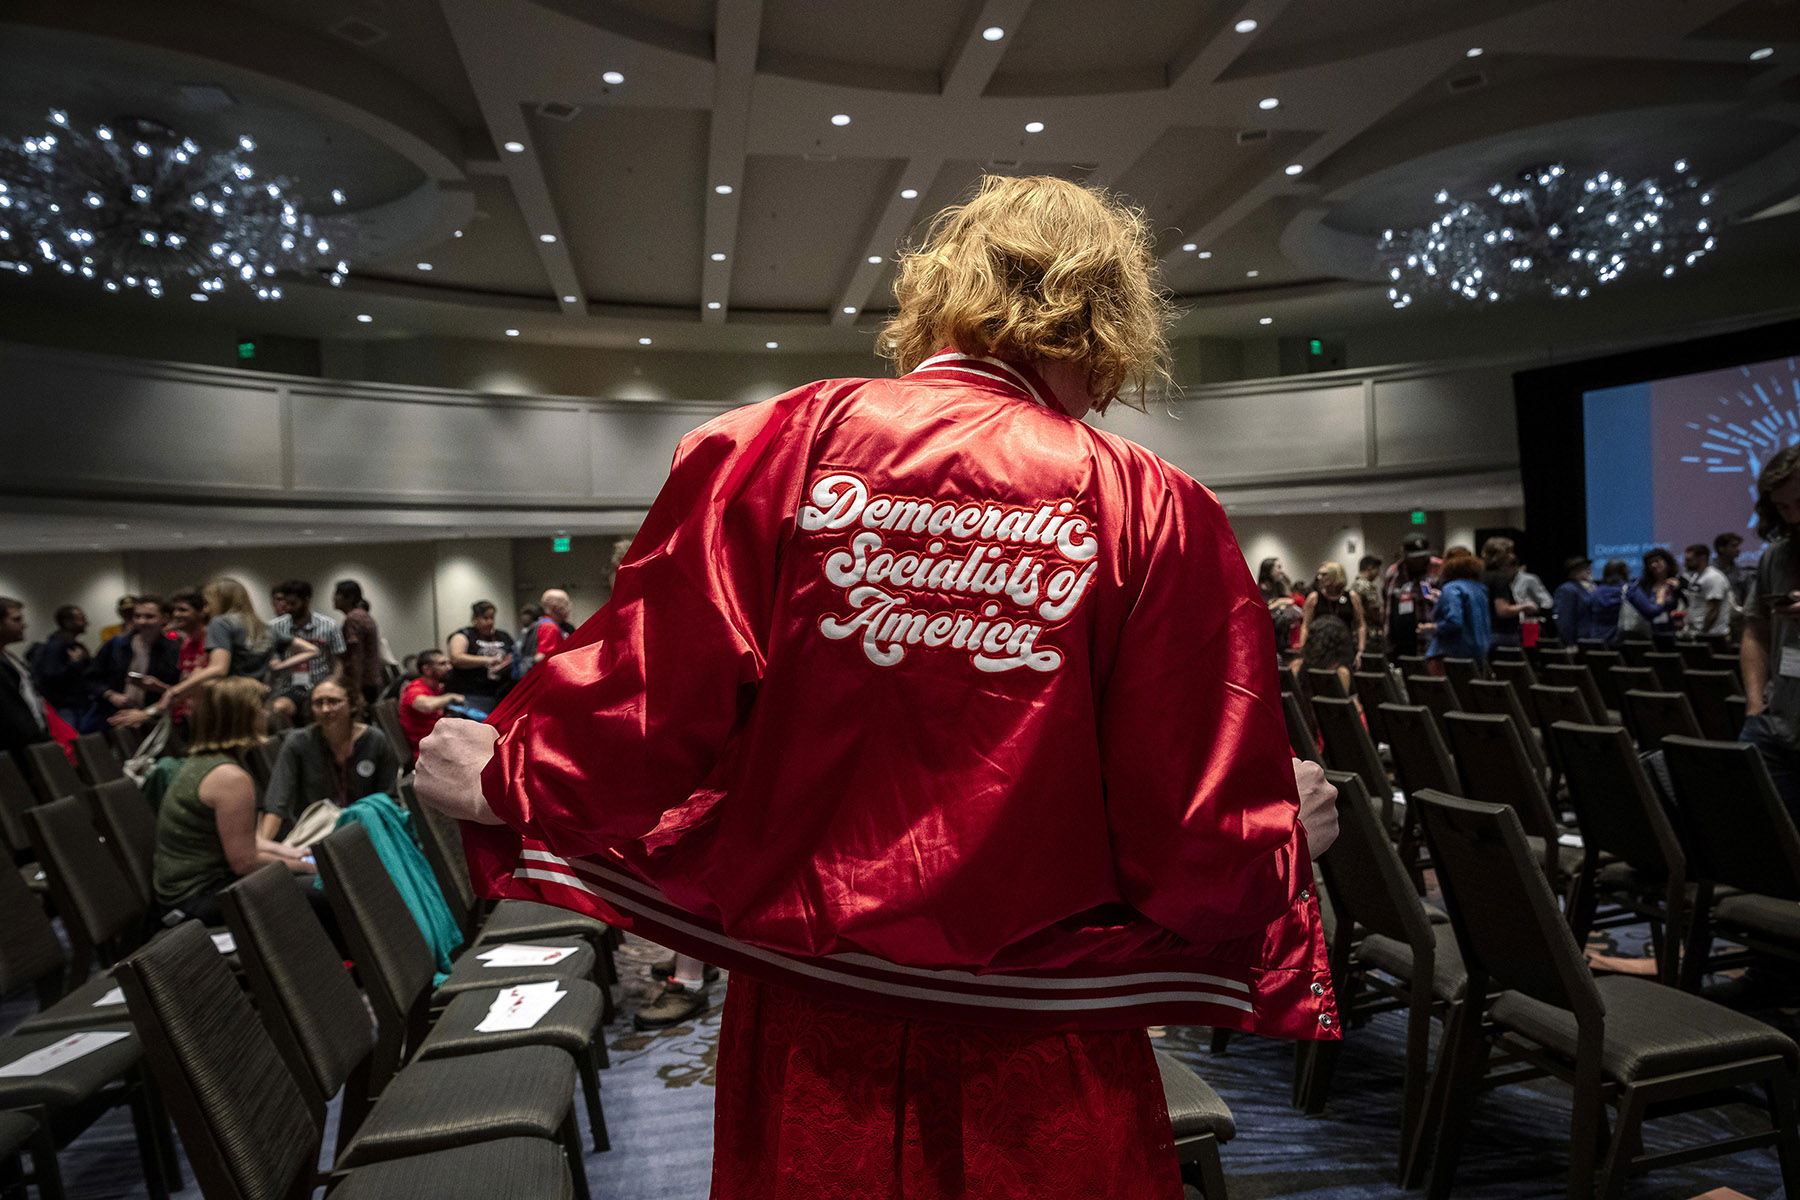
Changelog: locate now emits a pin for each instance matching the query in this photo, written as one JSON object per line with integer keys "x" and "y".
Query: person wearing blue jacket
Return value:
{"x": 1462, "y": 624}
{"x": 1574, "y": 602}
{"x": 1654, "y": 597}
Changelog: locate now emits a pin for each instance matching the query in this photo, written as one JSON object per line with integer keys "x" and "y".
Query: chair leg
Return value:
{"x": 571, "y": 1143}
{"x": 143, "y": 1123}
{"x": 1587, "y": 1133}
{"x": 1318, "y": 1077}
{"x": 1412, "y": 1089}
{"x": 165, "y": 1137}
{"x": 1625, "y": 1142}
{"x": 1221, "y": 1038}
{"x": 1204, "y": 1171}
{"x": 45, "y": 1170}
{"x": 1461, "y": 1065}
{"x": 1784, "y": 1115}
{"x": 590, "y": 1085}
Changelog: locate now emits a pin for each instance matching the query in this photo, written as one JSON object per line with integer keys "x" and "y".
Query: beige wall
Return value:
{"x": 44, "y": 582}
{"x": 1303, "y": 541}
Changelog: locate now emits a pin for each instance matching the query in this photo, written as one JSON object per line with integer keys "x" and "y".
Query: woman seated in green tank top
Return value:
{"x": 206, "y": 828}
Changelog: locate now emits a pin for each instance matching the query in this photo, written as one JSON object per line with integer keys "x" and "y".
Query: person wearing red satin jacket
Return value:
{"x": 948, "y": 724}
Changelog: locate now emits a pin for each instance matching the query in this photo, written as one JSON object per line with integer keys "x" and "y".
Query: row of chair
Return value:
{"x": 1505, "y": 973}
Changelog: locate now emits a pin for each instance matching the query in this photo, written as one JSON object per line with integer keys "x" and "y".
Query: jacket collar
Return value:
{"x": 1016, "y": 377}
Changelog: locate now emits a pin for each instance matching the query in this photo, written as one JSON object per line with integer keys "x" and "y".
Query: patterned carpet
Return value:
{"x": 658, "y": 1096}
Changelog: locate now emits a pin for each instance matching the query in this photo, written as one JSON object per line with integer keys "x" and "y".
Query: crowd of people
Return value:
{"x": 1463, "y": 604}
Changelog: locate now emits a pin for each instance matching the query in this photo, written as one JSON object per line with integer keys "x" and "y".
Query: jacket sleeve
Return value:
{"x": 1447, "y": 616}
{"x": 1199, "y": 776}
{"x": 608, "y": 739}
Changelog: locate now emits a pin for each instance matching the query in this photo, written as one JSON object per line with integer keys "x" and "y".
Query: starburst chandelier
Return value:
{"x": 135, "y": 205}
{"x": 1548, "y": 233}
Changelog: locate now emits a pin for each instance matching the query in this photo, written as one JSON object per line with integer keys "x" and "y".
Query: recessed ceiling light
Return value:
{"x": 909, "y": 193}
{"x": 1265, "y": 320}
{"x": 1760, "y": 54}
{"x": 993, "y": 33}
{"x": 1188, "y": 247}
{"x": 717, "y": 256}
{"x": 512, "y": 333}
{"x": 1472, "y": 52}
{"x": 875, "y": 259}
{"x": 772, "y": 345}
{"x": 1245, "y": 26}
{"x": 643, "y": 341}
{"x": 1268, "y": 102}
{"x": 546, "y": 237}
{"x": 841, "y": 119}
{"x": 1293, "y": 168}
{"x": 570, "y": 300}
{"x": 712, "y": 304}
{"x": 365, "y": 318}
{"x": 1251, "y": 274}
{"x": 516, "y": 147}
{"x": 1034, "y": 127}
{"x": 612, "y": 77}
{"x": 197, "y": 296}
{"x": 849, "y": 311}
{"x": 457, "y": 233}
{"x": 724, "y": 189}
{"x": 1206, "y": 254}
{"x": 424, "y": 266}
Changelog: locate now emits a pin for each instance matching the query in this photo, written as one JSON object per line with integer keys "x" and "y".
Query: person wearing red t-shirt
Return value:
{"x": 423, "y": 700}
{"x": 553, "y": 627}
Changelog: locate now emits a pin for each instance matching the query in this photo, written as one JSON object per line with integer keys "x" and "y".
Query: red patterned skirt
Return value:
{"x": 821, "y": 1101}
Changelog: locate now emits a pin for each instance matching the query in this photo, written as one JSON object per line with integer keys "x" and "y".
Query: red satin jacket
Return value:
{"x": 922, "y": 694}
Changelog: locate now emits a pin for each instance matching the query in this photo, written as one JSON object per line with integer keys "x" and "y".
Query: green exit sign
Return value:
{"x": 1316, "y": 347}
{"x": 560, "y": 544}
{"x": 1418, "y": 517}
{"x": 246, "y": 349}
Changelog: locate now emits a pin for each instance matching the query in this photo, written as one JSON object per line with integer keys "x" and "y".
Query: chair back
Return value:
{"x": 1516, "y": 671}
{"x": 29, "y": 950}
{"x": 1496, "y": 770}
{"x": 95, "y": 898}
{"x": 1326, "y": 683}
{"x": 1507, "y": 924}
{"x": 1376, "y": 688}
{"x": 306, "y": 998}
{"x": 1657, "y": 715}
{"x": 1617, "y": 809}
{"x": 125, "y": 740}
{"x": 1580, "y": 677}
{"x": 1412, "y": 664}
{"x": 1500, "y": 699}
{"x": 1364, "y": 876}
{"x": 1601, "y": 663}
{"x": 391, "y": 954}
{"x": 1299, "y": 731}
{"x": 1626, "y": 678}
{"x": 387, "y": 719}
{"x": 440, "y": 839}
{"x": 1697, "y": 655}
{"x": 1667, "y": 667}
{"x": 1552, "y": 704}
{"x": 130, "y": 827}
{"x": 97, "y": 760}
{"x": 1735, "y": 828}
{"x": 51, "y": 771}
{"x": 241, "y": 1115}
{"x": 1461, "y": 672}
{"x": 16, "y": 797}
{"x": 1348, "y": 747}
{"x": 1420, "y": 757}
{"x": 1634, "y": 650}
{"x": 1435, "y": 693}
{"x": 1709, "y": 693}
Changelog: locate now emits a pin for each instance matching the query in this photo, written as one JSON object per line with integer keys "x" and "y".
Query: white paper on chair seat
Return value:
{"x": 42, "y": 1062}
{"x": 511, "y": 954}
{"x": 1569, "y": 839}
{"x": 114, "y": 996}
{"x": 520, "y": 1007}
{"x": 225, "y": 942}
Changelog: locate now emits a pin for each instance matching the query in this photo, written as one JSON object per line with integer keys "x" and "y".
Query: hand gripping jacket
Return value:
{"x": 923, "y": 695}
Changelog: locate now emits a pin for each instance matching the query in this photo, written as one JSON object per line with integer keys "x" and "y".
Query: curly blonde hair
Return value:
{"x": 1037, "y": 268}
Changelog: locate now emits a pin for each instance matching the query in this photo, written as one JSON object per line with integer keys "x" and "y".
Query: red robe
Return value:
{"x": 922, "y": 696}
